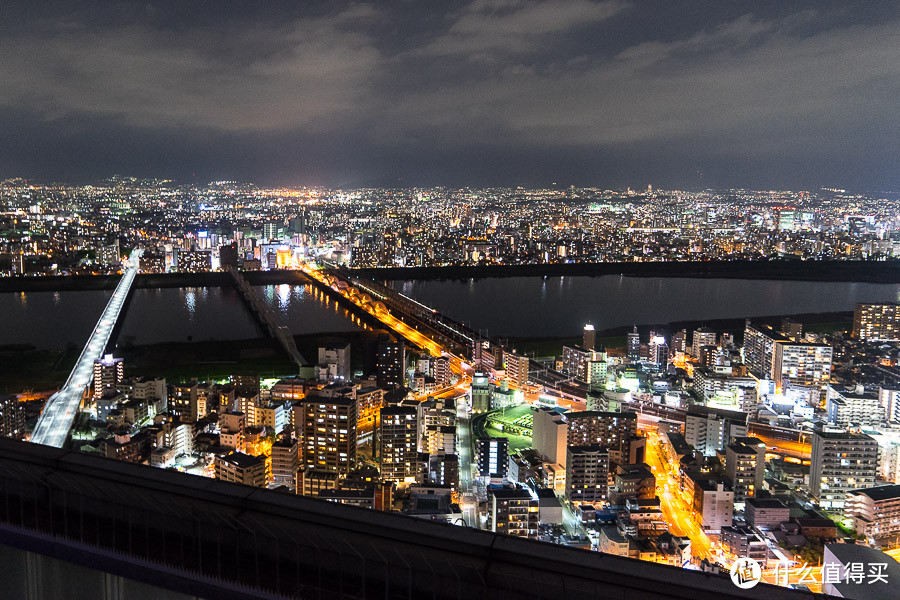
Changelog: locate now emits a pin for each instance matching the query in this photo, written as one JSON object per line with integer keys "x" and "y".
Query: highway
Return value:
{"x": 59, "y": 413}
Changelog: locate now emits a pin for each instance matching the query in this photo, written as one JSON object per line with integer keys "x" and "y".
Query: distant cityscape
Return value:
{"x": 693, "y": 448}
{"x": 56, "y": 229}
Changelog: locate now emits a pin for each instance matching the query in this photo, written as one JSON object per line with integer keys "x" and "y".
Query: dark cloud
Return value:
{"x": 602, "y": 92}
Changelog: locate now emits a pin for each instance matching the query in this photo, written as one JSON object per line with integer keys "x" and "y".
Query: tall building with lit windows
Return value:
{"x": 772, "y": 355}
{"x": 398, "y": 449}
{"x": 326, "y": 430}
{"x": 108, "y": 373}
{"x": 877, "y": 322}
{"x": 841, "y": 461}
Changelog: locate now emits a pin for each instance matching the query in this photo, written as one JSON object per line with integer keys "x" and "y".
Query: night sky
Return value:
{"x": 506, "y": 92}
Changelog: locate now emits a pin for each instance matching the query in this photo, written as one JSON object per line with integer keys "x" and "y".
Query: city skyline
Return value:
{"x": 748, "y": 95}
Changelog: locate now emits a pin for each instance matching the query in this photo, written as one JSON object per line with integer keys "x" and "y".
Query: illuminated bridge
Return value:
{"x": 80, "y": 526}
{"x": 59, "y": 414}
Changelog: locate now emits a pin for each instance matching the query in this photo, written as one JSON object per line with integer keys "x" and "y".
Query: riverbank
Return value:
{"x": 24, "y": 367}
{"x": 615, "y": 338}
{"x": 793, "y": 270}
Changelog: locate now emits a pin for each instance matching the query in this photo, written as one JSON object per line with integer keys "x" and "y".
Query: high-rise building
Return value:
{"x": 589, "y": 338}
{"x": 516, "y": 367}
{"x": 713, "y": 505}
{"x": 702, "y": 337}
{"x": 710, "y": 429}
{"x": 575, "y": 361}
{"x": 633, "y": 345}
{"x": 889, "y": 399}
{"x": 841, "y": 461}
{"x": 549, "y": 435}
{"x": 481, "y": 393}
{"x": 12, "y": 417}
{"x": 492, "y": 457}
{"x": 659, "y": 351}
{"x": 514, "y": 511}
{"x": 616, "y": 431}
{"x": 875, "y": 511}
{"x": 285, "y": 462}
{"x": 326, "y": 430}
{"x": 853, "y": 406}
{"x": 390, "y": 363}
{"x": 587, "y": 474}
{"x": 441, "y": 371}
{"x": 771, "y": 355}
{"x": 877, "y": 322}
{"x": 397, "y": 444}
{"x": 679, "y": 341}
{"x": 334, "y": 361}
{"x": 189, "y": 401}
{"x": 108, "y": 373}
{"x": 432, "y": 417}
{"x": 745, "y": 467}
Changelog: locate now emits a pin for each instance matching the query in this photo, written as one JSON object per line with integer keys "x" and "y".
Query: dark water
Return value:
{"x": 560, "y": 306}
{"x": 514, "y": 306}
{"x": 55, "y": 319}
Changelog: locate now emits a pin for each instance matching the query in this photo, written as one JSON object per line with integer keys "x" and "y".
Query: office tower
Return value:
{"x": 702, "y": 337}
{"x": 390, "y": 363}
{"x": 397, "y": 444}
{"x": 514, "y": 511}
{"x": 853, "y": 406}
{"x": 877, "y": 322}
{"x": 589, "y": 338}
{"x": 770, "y": 355}
{"x": 241, "y": 468}
{"x": 516, "y": 367}
{"x": 841, "y": 461}
{"x": 875, "y": 511}
{"x": 481, "y": 393}
{"x": 710, "y": 429}
{"x": 108, "y": 373}
{"x": 633, "y": 345}
{"x": 549, "y": 435}
{"x": 334, "y": 361}
{"x": 889, "y": 399}
{"x": 745, "y": 467}
{"x": 492, "y": 457}
{"x": 587, "y": 474}
{"x": 285, "y": 462}
{"x": 326, "y": 430}
{"x": 12, "y": 417}
{"x": 616, "y": 431}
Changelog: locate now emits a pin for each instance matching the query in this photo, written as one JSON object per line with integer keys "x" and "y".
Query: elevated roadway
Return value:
{"x": 59, "y": 413}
